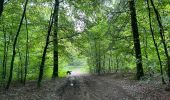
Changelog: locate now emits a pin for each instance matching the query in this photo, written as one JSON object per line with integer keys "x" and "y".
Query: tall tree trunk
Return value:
{"x": 21, "y": 66}
{"x": 99, "y": 61}
{"x": 27, "y": 52}
{"x": 14, "y": 46}
{"x": 96, "y": 57}
{"x": 103, "y": 67}
{"x": 1, "y": 7}
{"x": 4, "y": 58}
{"x": 161, "y": 32}
{"x": 136, "y": 40}
{"x": 41, "y": 70}
{"x": 117, "y": 64}
{"x": 55, "y": 40}
{"x": 110, "y": 61}
{"x": 156, "y": 47}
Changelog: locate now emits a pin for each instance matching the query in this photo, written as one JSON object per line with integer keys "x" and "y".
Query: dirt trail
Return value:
{"x": 92, "y": 88}
{"x": 87, "y": 88}
{"x": 106, "y": 88}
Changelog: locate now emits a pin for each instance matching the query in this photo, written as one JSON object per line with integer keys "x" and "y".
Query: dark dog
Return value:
{"x": 68, "y": 72}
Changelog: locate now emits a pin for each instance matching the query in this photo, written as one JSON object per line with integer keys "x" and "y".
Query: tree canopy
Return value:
{"x": 99, "y": 36}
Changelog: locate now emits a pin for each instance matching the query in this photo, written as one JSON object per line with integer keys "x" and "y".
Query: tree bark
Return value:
{"x": 99, "y": 61}
{"x": 5, "y": 54}
{"x": 14, "y": 46}
{"x": 110, "y": 62}
{"x": 136, "y": 40}
{"x": 117, "y": 64}
{"x": 104, "y": 56}
{"x": 1, "y": 6}
{"x": 55, "y": 41}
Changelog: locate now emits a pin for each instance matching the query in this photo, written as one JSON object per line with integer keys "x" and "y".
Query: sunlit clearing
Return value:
{"x": 79, "y": 72}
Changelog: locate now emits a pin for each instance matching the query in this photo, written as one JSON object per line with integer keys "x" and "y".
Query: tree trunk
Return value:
{"x": 110, "y": 61}
{"x": 117, "y": 64}
{"x": 4, "y": 58}
{"x": 27, "y": 52}
{"x": 96, "y": 58}
{"x": 156, "y": 47}
{"x": 136, "y": 40}
{"x": 99, "y": 61}
{"x": 161, "y": 32}
{"x": 20, "y": 65}
{"x": 103, "y": 61}
{"x": 1, "y": 7}
{"x": 55, "y": 40}
{"x": 41, "y": 70}
{"x": 14, "y": 46}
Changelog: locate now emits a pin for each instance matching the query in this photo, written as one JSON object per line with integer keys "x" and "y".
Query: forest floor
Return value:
{"x": 89, "y": 87}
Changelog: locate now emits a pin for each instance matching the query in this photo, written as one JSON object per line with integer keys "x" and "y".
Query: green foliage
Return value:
{"x": 91, "y": 32}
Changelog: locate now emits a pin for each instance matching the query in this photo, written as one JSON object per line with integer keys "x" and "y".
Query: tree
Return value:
{"x": 14, "y": 46}
{"x": 55, "y": 40}
{"x": 136, "y": 40}
{"x": 156, "y": 46}
{"x": 27, "y": 51}
{"x": 1, "y": 6}
{"x": 161, "y": 32}
{"x": 41, "y": 69}
{"x": 4, "y": 58}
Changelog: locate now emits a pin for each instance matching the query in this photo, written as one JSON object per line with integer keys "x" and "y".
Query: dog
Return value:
{"x": 70, "y": 78}
{"x": 68, "y": 72}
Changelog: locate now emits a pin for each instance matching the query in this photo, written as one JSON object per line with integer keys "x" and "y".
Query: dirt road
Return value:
{"x": 105, "y": 88}
{"x": 88, "y": 88}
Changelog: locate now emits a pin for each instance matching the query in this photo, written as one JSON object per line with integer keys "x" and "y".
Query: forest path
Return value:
{"x": 93, "y": 88}
{"x": 110, "y": 88}
{"x": 89, "y": 87}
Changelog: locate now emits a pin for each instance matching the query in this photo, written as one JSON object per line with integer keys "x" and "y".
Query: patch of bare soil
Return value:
{"x": 108, "y": 87}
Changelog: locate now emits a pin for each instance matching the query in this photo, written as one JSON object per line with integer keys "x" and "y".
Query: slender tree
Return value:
{"x": 161, "y": 32}
{"x": 5, "y": 58}
{"x": 117, "y": 63}
{"x": 20, "y": 66}
{"x": 99, "y": 59}
{"x": 110, "y": 60}
{"x": 55, "y": 40}
{"x": 5, "y": 54}
{"x": 27, "y": 51}
{"x": 14, "y": 45}
{"x": 41, "y": 70}
{"x": 136, "y": 40}
{"x": 153, "y": 37}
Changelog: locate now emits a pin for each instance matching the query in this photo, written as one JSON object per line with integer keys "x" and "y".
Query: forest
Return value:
{"x": 84, "y": 49}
